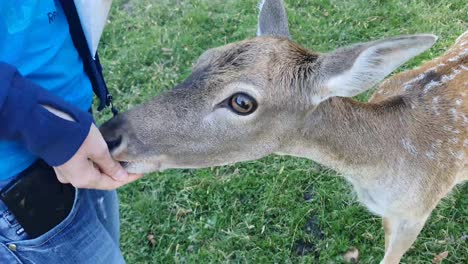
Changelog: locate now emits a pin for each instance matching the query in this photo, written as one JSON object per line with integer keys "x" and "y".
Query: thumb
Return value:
{"x": 100, "y": 155}
{"x": 109, "y": 166}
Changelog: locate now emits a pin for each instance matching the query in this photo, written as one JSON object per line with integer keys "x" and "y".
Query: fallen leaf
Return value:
{"x": 439, "y": 257}
{"x": 351, "y": 256}
{"x": 182, "y": 213}
{"x": 151, "y": 239}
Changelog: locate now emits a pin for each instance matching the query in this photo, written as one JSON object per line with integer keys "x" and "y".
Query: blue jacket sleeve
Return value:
{"x": 23, "y": 118}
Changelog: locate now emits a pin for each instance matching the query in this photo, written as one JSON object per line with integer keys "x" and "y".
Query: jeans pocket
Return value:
{"x": 80, "y": 238}
{"x": 57, "y": 228}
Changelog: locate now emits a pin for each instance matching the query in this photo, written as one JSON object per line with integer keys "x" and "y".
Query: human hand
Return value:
{"x": 92, "y": 166}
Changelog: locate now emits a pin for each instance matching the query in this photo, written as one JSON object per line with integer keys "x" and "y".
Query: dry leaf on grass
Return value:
{"x": 351, "y": 256}
{"x": 151, "y": 239}
{"x": 439, "y": 257}
{"x": 182, "y": 213}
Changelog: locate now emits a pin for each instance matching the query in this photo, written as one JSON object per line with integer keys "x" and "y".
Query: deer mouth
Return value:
{"x": 123, "y": 163}
{"x": 141, "y": 166}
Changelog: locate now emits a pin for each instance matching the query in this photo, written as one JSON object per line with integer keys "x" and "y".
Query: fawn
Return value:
{"x": 402, "y": 151}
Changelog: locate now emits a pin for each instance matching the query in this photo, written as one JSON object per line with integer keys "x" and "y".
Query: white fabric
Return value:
{"x": 93, "y": 16}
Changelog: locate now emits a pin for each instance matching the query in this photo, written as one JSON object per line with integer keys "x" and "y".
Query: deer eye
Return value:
{"x": 242, "y": 104}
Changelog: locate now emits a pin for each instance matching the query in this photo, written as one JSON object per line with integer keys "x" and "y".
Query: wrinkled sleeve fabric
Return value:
{"x": 24, "y": 118}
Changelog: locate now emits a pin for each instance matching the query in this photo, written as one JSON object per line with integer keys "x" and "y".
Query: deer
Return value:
{"x": 402, "y": 151}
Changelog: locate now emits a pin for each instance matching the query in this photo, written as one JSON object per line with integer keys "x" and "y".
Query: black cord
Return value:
{"x": 114, "y": 110}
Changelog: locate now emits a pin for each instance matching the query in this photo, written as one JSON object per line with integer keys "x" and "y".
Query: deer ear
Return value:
{"x": 355, "y": 69}
{"x": 273, "y": 20}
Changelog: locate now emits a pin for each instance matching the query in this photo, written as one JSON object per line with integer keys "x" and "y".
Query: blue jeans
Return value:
{"x": 89, "y": 234}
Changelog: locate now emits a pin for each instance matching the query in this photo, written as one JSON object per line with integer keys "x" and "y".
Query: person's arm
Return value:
{"x": 24, "y": 118}
{"x": 59, "y": 133}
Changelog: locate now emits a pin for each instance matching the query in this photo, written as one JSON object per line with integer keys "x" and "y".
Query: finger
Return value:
{"x": 105, "y": 162}
{"x": 86, "y": 177}
{"x": 106, "y": 182}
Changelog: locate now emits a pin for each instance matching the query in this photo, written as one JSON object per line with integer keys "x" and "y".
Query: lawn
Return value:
{"x": 277, "y": 209}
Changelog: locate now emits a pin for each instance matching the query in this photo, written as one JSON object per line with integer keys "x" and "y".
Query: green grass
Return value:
{"x": 255, "y": 212}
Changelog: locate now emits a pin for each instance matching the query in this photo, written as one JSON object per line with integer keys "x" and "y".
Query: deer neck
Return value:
{"x": 349, "y": 136}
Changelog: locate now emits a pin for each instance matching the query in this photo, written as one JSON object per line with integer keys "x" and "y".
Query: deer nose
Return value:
{"x": 114, "y": 144}
{"x": 113, "y": 133}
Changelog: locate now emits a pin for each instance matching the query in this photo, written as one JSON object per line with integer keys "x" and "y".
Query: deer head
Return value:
{"x": 249, "y": 99}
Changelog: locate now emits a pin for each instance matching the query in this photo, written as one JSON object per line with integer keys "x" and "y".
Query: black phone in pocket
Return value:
{"x": 37, "y": 199}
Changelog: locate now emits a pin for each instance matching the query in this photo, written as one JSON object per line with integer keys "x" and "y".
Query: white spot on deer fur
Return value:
{"x": 435, "y": 105}
{"x": 431, "y": 85}
{"x": 459, "y": 56}
{"x": 409, "y": 147}
{"x": 450, "y": 77}
{"x": 464, "y": 67}
{"x": 451, "y": 129}
{"x": 465, "y": 143}
{"x": 445, "y": 78}
{"x": 430, "y": 155}
{"x": 454, "y": 113}
{"x": 409, "y": 84}
{"x": 437, "y": 145}
{"x": 454, "y": 140}
{"x": 458, "y": 102}
{"x": 465, "y": 118}
{"x": 460, "y": 155}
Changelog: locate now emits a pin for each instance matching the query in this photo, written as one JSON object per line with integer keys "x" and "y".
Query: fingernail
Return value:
{"x": 121, "y": 174}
